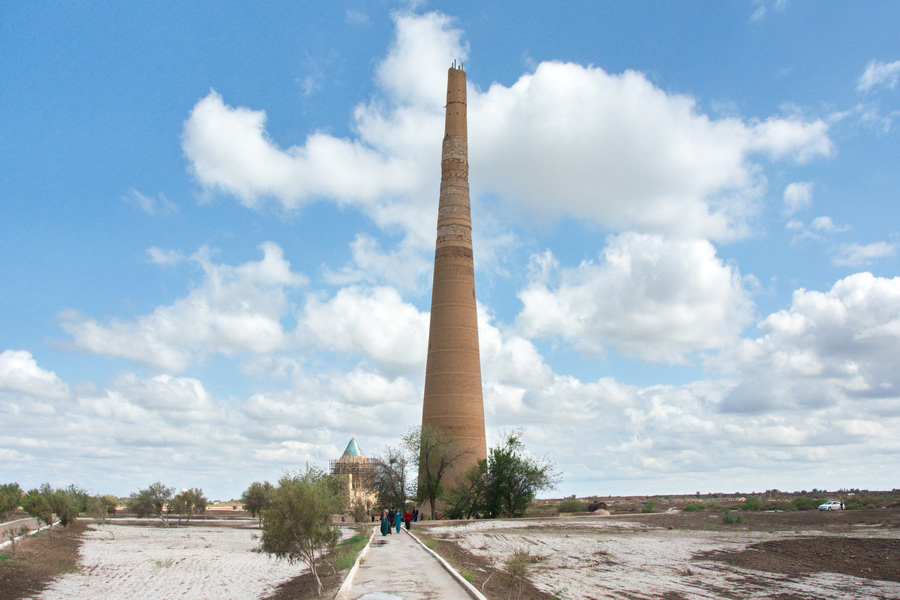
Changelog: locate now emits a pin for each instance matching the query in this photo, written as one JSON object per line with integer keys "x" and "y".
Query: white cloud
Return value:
{"x": 375, "y": 323}
{"x": 404, "y": 266}
{"x": 414, "y": 70}
{"x": 762, "y": 8}
{"x": 616, "y": 149}
{"x": 826, "y": 224}
{"x": 152, "y": 206}
{"x": 797, "y": 196}
{"x": 234, "y": 310}
{"x": 565, "y": 140}
{"x": 19, "y": 372}
{"x": 878, "y": 73}
{"x": 159, "y": 256}
{"x": 653, "y": 298}
{"x": 829, "y": 347}
{"x": 855, "y": 255}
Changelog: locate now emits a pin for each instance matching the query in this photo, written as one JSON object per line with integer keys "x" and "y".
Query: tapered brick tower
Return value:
{"x": 453, "y": 398}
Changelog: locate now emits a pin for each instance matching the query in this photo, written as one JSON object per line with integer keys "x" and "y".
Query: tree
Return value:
{"x": 466, "y": 500}
{"x": 36, "y": 504}
{"x": 44, "y": 502}
{"x": 10, "y": 498}
{"x": 513, "y": 478}
{"x": 297, "y": 523}
{"x": 67, "y": 503}
{"x": 189, "y": 503}
{"x": 435, "y": 453}
{"x": 391, "y": 478}
{"x": 256, "y": 498}
{"x": 152, "y": 501}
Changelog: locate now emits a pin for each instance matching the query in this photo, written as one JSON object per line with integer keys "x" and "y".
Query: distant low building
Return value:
{"x": 359, "y": 474}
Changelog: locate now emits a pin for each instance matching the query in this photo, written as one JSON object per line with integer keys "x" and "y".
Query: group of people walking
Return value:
{"x": 395, "y": 518}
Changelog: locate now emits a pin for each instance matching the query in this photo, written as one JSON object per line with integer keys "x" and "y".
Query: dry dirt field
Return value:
{"x": 675, "y": 556}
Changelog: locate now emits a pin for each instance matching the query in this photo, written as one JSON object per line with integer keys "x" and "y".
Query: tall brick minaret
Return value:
{"x": 453, "y": 398}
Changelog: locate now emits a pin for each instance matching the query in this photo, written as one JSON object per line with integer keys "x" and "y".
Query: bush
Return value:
{"x": 692, "y": 508}
{"x": 649, "y": 507}
{"x": 752, "y": 503}
{"x": 730, "y": 518}
{"x": 189, "y": 503}
{"x": 297, "y": 525}
{"x": 10, "y": 498}
{"x": 152, "y": 501}
{"x": 38, "y": 506}
{"x": 255, "y": 498}
{"x": 807, "y": 503}
{"x": 571, "y": 505}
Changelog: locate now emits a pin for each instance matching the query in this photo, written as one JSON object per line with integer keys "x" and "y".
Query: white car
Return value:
{"x": 833, "y": 505}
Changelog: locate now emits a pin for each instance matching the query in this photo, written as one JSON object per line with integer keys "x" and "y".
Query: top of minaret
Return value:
{"x": 457, "y": 66}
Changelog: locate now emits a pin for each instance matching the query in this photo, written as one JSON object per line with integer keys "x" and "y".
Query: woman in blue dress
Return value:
{"x": 385, "y": 524}
{"x": 398, "y": 520}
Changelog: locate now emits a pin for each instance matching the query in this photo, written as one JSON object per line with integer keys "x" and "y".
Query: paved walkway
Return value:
{"x": 396, "y": 567}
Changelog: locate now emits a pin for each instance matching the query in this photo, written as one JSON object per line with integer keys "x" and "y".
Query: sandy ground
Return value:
{"x": 609, "y": 558}
{"x": 192, "y": 563}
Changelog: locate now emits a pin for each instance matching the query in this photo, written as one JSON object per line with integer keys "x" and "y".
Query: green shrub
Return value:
{"x": 853, "y": 506}
{"x": 648, "y": 507}
{"x": 752, "y": 503}
{"x": 10, "y": 497}
{"x": 692, "y": 508}
{"x": 807, "y": 503}
{"x": 730, "y": 518}
{"x": 571, "y": 505}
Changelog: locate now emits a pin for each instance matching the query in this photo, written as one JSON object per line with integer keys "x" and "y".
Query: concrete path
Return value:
{"x": 12, "y": 528}
{"x": 397, "y": 567}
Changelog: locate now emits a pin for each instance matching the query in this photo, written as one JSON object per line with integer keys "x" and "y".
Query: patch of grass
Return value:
{"x": 356, "y": 539}
{"x": 66, "y": 567}
{"x": 163, "y": 563}
{"x": 349, "y": 550}
{"x": 432, "y": 544}
{"x": 468, "y": 575}
{"x": 7, "y": 559}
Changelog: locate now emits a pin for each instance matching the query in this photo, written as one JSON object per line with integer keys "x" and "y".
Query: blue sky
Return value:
{"x": 217, "y": 227}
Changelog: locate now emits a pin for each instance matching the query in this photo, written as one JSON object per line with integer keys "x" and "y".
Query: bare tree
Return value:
{"x": 435, "y": 453}
{"x": 392, "y": 478}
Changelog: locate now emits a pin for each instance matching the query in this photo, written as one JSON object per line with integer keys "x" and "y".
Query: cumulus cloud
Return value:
{"x": 20, "y": 372}
{"x": 376, "y": 323}
{"x": 564, "y": 140}
{"x": 827, "y": 348}
{"x": 234, "y": 310}
{"x": 879, "y": 73}
{"x": 651, "y": 297}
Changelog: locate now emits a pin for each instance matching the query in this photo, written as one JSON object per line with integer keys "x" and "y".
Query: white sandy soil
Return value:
{"x": 605, "y": 558}
{"x": 191, "y": 563}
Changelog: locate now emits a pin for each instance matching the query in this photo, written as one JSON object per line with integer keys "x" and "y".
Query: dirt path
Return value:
{"x": 38, "y": 560}
{"x": 679, "y": 556}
